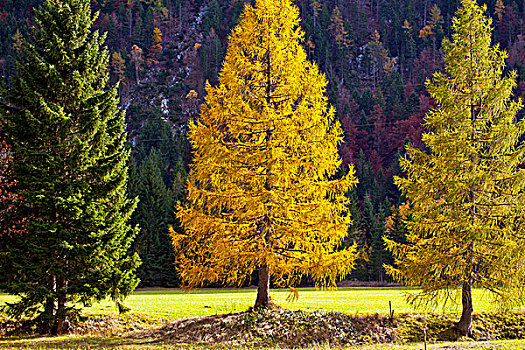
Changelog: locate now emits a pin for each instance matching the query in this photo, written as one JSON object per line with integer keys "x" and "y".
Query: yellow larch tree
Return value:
{"x": 339, "y": 32}
{"x": 18, "y": 41}
{"x": 156, "y": 47}
{"x": 262, "y": 193}
{"x": 316, "y": 8}
{"x": 118, "y": 65}
{"x": 499, "y": 10}
{"x": 466, "y": 194}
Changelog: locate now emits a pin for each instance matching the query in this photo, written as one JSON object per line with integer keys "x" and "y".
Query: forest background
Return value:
{"x": 375, "y": 54}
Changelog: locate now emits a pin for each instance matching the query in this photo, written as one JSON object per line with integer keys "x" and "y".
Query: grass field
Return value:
{"x": 74, "y": 342}
{"x": 174, "y": 304}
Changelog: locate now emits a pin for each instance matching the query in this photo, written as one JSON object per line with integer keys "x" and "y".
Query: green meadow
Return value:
{"x": 177, "y": 304}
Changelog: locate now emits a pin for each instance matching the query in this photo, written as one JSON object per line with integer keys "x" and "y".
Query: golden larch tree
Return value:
{"x": 156, "y": 47}
{"x": 338, "y": 30}
{"x": 262, "y": 193}
{"x": 499, "y": 10}
{"x": 466, "y": 222}
{"x": 118, "y": 66}
{"x": 316, "y": 8}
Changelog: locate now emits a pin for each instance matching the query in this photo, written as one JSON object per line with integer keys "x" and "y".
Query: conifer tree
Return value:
{"x": 261, "y": 192}
{"x": 499, "y": 9}
{"x": 466, "y": 219}
{"x": 156, "y": 47}
{"x": 9, "y": 203}
{"x": 118, "y": 65}
{"x": 154, "y": 213}
{"x": 70, "y": 164}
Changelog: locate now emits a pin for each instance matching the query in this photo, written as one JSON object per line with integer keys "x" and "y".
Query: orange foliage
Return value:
{"x": 9, "y": 199}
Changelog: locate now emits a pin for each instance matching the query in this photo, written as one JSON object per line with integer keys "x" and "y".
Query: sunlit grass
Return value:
{"x": 88, "y": 342}
{"x": 175, "y": 304}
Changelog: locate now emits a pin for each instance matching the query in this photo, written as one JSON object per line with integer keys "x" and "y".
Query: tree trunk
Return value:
{"x": 47, "y": 317}
{"x": 263, "y": 291}
{"x": 464, "y": 326}
{"x": 61, "y": 323}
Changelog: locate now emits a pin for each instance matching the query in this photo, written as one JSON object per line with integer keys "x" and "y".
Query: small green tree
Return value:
{"x": 466, "y": 218}
{"x": 70, "y": 164}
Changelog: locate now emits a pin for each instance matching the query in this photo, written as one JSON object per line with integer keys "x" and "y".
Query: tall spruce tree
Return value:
{"x": 261, "y": 193}
{"x": 466, "y": 223}
{"x": 153, "y": 214}
{"x": 70, "y": 164}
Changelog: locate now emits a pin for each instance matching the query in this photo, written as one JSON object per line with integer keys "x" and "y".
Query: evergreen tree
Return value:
{"x": 9, "y": 203}
{"x": 70, "y": 164}
{"x": 214, "y": 18}
{"x": 466, "y": 195}
{"x": 378, "y": 256}
{"x": 260, "y": 194}
{"x": 153, "y": 215}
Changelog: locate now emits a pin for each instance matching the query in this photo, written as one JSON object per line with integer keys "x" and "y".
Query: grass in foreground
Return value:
{"x": 175, "y": 304}
{"x": 76, "y": 342}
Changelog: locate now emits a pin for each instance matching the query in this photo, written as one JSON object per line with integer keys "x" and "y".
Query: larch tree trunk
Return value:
{"x": 464, "y": 326}
{"x": 263, "y": 290}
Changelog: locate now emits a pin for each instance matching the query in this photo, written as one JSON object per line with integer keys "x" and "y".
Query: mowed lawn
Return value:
{"x": 175, "y": 304}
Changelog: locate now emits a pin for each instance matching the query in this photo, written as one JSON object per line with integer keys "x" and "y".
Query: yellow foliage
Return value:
{"x": 338, "y": 29}
{"x": 436, "y": 20}
{"x": 156, "y": 47}
{"x": 18, "y": 41}
{"x": 425, "y": 32}
{"x": 261, "y": 190}
{"x": 192, "y": 94}
{"x": 375, "y": 37}
{"x": 499, "y": 10}
{"x": 118, "y": 65}
{"x": 380, "y": 53}
{"x": 407, "y": 27}
{"x": 316, "y": 7}
{"x": 293, "y": 295}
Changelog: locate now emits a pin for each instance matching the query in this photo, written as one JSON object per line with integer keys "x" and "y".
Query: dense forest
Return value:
{"x": 375, "y": 54}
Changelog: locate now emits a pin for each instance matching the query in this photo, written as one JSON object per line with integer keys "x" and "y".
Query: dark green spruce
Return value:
{"x": 154, "y": 214}
{"x": 157, "y": 177}
{"x": 70, "y": 161}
